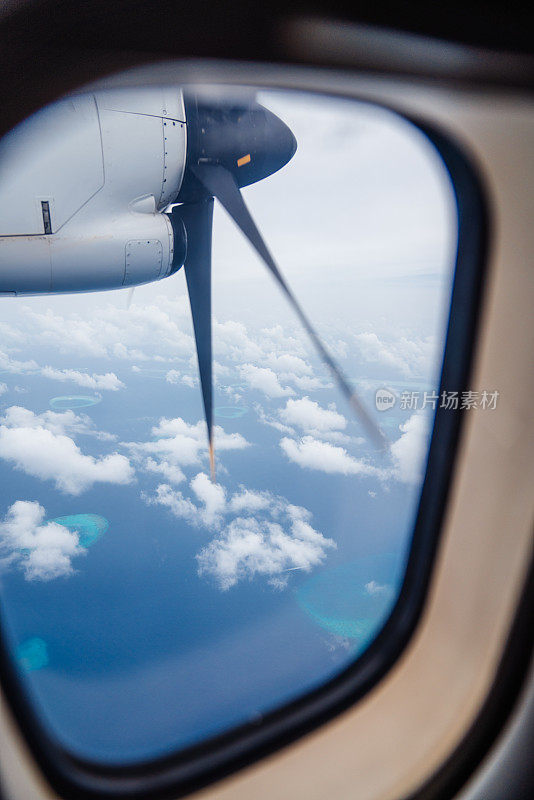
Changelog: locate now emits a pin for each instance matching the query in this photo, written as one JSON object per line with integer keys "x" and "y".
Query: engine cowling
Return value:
{"x": 82, "y": 186}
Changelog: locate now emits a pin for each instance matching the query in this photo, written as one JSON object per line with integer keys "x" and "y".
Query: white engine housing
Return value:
{"x": 82, "y": 186}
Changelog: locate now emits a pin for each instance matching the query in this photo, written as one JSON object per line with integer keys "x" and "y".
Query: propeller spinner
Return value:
{"x": 230, "y": 147}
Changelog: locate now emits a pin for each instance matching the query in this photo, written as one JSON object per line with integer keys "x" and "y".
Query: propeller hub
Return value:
{"x": 247, "y": 140}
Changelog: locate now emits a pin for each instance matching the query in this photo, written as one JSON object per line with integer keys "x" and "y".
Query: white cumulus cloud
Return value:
{"x": 265, "y": 380}
{"x": 177, "y": 443}
{"x": 174, "y": 500}
{"x": 410, "y": 450}
{"x": 231, "y": 340}
{"x": 265, "y": 419}
{"x": 16, "y": 367}
{"x": 287, "y": 362}
{"x": 64, "y": 422}
{"x": 170, "y": 472}
{"x": 211, "y": 495}
{"x": 309, "y": 416}
{"x": 172, "y": 376}
{"x": 109, "y": 381}
{"x": 259, "y": 533}
{"x": 250, "y": 547}
{"x": 139, "y": 333}
{"x": 373, "y": 588}
{"x": 293, "y": 369}
{"x": 312, "y": 453}
{"x": 412, "y": 357}
{"x": 42, "y": 550}
{"x": 248, "y": 501}
{"x": 39, "y": 446}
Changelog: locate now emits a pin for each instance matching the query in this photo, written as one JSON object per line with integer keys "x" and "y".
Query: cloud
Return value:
{"x": 16, "y": 367}
{"x": 177, "y": 504}
{"x": 174, "y": 376}
{"x": 278, "y": 339}
{"x": 42, "y": 550}
{"x": 265, "y": 380}
{"x": 271, "y": 358}
{"x": 293, "y": 369}
{"x": 139, "y": 333}
{"x": 287, "y": 363}
{"x": 211, "y": 495}
{"x": 232, "y": 395}
{"x": 412, "y": 357}
{"x": 373, "y": 588}
{"x": 40, "y": 447}
{"x": 178, "y": 444}
{"x": 305, "y": 383}
{"x": 170, "y": 472}
{"x": 109, "y": 381}
{"x": 58, "y": 422}
{"x": 214, "y": 504}
{"x": 178, "y": 429}
{"x": 410, "y": 450}
{"x": 3, "y": 388}
{"x": 311, "y": 453}
{"x": 259, "y": 533}
{"x": 309, "y": 416}
{"x": 231, "y": 339}
{"x": 272, "y": 423}
{"x": 251, "y": 502}
{"x": 250, "y": 547}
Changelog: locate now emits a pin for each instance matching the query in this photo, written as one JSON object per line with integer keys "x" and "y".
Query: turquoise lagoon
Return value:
{"x": 353, "y": 601}
{"x": 73, "y": 401}
{"x": 89, "y": 527}
{"x": 32, "y": 654}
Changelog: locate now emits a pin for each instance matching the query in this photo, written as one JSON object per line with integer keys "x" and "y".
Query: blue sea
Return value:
{"x": 135, "y": 654}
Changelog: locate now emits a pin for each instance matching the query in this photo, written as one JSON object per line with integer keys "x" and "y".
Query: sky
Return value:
{"x": 146, "y": 606}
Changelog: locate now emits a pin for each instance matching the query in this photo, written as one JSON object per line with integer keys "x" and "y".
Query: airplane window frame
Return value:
{"x": 195, "y": 767}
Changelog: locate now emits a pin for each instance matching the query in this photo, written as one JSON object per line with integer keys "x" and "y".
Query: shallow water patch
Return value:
{"x": 230, "y": 412}
{"x": 32, "y": 654}
{"x": 353, "y": 600}
{"x": 74, "y": 401}
{"x": 89, "y": 527}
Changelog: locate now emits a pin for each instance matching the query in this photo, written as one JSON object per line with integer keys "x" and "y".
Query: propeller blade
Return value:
{"x": 129, "y": 297}
{"x": 219, "y": 182}
{"x": 198, "y": 221}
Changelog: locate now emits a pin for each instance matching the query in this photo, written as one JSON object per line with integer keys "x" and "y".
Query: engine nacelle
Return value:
{"x": 82, "y": 187}
{"x": 97, "y": 257}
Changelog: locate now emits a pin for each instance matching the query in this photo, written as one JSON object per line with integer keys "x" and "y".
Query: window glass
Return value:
{"x": 146, "y": 606}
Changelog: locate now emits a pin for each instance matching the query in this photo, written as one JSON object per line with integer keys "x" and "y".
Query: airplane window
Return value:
{"x": 207, "y": 509}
